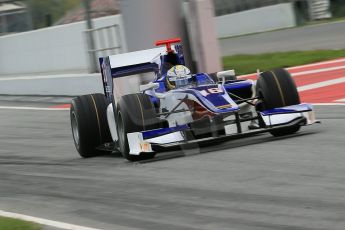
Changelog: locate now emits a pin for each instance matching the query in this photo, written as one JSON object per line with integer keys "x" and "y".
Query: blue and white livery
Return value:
{"x": 154, "y": 102}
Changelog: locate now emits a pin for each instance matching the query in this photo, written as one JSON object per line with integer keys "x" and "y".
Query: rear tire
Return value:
{"x": 89, "y": 124}
{"x": 135, "y": 113}
{"x": 277, "y": 89}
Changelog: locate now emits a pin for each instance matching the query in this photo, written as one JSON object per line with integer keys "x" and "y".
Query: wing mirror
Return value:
{"x": 227, "y": 75}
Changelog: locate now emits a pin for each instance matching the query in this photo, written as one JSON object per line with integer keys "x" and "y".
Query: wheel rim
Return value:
{"x": 75, "y": 131}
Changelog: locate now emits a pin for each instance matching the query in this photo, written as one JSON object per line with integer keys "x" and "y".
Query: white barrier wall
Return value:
{"x": 62, "y": 48}
{"x": 54, "y": 49}
{"x": 256, "y": 20}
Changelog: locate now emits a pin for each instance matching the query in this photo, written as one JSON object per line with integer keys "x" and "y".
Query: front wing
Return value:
{"x": 172, "y": 137}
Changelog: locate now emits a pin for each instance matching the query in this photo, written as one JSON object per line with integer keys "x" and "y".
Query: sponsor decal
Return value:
{"x": 206, "y": 92}
{"x": 145, "y": 147}
{"x": 224, "y": 106}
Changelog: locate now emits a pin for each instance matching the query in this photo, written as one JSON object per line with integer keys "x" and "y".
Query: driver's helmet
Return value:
{"x": 178, "y": 76}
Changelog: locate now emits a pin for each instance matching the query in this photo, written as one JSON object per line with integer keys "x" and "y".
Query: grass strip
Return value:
{"x": 14, "y": 224}
{"x": 244, "y": 64}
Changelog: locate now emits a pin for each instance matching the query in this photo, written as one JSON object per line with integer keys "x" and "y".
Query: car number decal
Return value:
{"x": 206, "y": 92}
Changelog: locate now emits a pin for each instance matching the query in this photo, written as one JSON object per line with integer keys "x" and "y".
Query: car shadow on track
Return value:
{"x": 232, "y": 144}
{"x": 195, "y": 149}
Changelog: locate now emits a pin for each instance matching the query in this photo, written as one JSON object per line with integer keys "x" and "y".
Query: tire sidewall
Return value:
{"x": 276, "y": 89}
{"x": 129, "y": 120}
{"x": 89, "y": 113}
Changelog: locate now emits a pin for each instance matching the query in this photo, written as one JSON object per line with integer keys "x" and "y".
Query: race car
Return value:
{"x": 152, "y": 102}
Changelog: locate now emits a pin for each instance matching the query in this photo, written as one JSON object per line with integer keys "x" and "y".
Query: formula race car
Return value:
{"x": 152, "y": 102}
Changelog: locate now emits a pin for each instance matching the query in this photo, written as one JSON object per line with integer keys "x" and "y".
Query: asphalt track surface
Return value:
{"x": 296, "y": 182}
{"x": 315, "y": 37}
{"x": 261, "y": 182}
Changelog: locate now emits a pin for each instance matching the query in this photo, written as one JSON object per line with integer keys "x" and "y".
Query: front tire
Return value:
{"x": 277, "y": 89}
{"x": 89, "y": 124}
{"x": 135, "y": 113}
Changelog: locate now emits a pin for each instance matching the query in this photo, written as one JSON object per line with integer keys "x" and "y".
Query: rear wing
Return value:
{"x": 135, "y": 62}
{"x": 132, "y": 63}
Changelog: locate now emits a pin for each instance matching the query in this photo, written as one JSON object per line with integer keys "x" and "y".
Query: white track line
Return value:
{"x": 341, "y": 100}
{"x": 52, "y": 223}
{"x": 304, "y": 72}
{"x": 33, "y": 108}
{"x": 49, "y": 77}
{"x": 321, "y": 84}
{"x": 317, "y": 64}
{"x": 317, "y": 71}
